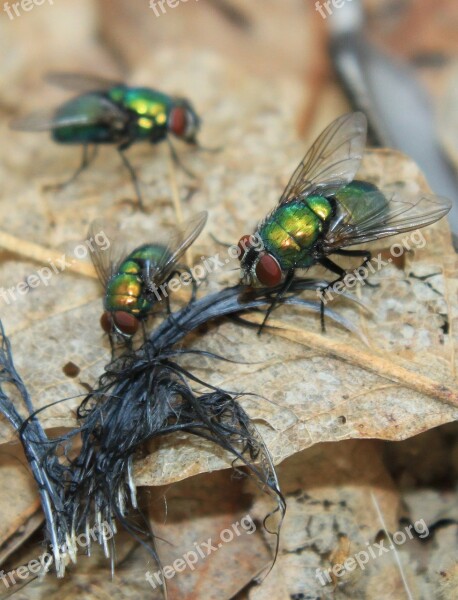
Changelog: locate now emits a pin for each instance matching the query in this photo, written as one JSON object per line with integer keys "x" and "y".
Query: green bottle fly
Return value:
{"x": 126, "y": 290}
{"x": 325, "y": 208}
{"x": 136, "y": 282}
{"x": 108, "y": 112}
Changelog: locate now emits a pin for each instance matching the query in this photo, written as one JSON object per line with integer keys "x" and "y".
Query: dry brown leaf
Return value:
{"x": 209, "y": 508}
{"x": 331, "y": 387}
{"x": 19, "y": 502}
{"x": 91, "y": 578}
{"x": 315, "y": 387}
{"x": 318, "y": 387}
{"x": 334, "y": 494}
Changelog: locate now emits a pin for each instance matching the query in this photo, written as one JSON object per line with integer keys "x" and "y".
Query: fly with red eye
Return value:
{"x": 268, "y": 271}
{"x": 261, "y": 268}
{"x": 324, "y": 209}
{"x": 183, "y": 123}
{"x": 134, "y": 282}
{"x": 111, "y": 112}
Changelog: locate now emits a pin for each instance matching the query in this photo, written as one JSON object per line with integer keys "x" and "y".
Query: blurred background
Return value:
{"x": 395, "y": 59}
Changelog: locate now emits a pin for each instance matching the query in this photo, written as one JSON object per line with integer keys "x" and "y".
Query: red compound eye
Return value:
{"x": 178, "y": 121}
{"x": 123, "y": 321}
{"x": 106, "y": 322}
{"x": 244, "y": 245}
{"x": 268, "y": 271}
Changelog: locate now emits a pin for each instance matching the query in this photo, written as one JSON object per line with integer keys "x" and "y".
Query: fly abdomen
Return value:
{"x": 92, "y": 132}
{"x": 360, "y": 199}
{"x": 152, "y": 253}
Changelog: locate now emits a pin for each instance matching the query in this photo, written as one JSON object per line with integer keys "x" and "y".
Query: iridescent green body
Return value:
{"x": 293, "y": 231}
{"x": 147, "y": 110}
{"x": 126, "y": 290}
{"x": 361, "y": 198}
{"x": 150, "y": 107}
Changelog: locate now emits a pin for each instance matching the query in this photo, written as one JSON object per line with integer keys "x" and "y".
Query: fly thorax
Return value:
{"x": 117, "y": 93}
{"x": 122, "y": 293}
{"x": 291, "y": 231}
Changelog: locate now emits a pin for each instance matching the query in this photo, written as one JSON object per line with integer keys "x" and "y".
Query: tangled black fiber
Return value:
{"x": 143, "y": 395}
{"x": 40, "y": 452}
{"x": 146, "y": 394}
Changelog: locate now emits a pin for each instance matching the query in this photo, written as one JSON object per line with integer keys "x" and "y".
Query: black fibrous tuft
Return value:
{"x": 143, "y": 401}
{"x": 40, "y": 452}
{"x": 146, "y": 394}
{"x": 143, "y": 395}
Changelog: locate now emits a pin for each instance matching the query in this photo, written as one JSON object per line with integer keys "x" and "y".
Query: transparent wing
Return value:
{"x": 180, "y": 241}
{"x": 93, "y": 109}
{"x": 333, "y": 159}
{"x": 47, "y": 120}
{"x": 399, "y": 213}
{"x": 79, "y": 82}
{"x": 108, "y": 248}
{"x": 111, "y": 248}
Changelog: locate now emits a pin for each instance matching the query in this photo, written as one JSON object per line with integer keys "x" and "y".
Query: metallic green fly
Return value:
{"x": 136, "y": 281}
{"x": 109, "y": 112}
{"x": 324, "y": 209}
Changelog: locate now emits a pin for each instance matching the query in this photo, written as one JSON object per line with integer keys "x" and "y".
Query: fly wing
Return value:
{"x": 333, "y": 159}
{"x": 108, "y": 248}
{"x": 79, "y": 82}
{"x": 95, "y": 109}
{"x": 181, "y": 240}
{"x": 47, "y": 120}
{"x": 397, "y": 213}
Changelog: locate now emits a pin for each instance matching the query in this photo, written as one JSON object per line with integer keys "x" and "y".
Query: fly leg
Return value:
{"x": 112, "y": 346}
{"x": 193, "y": 294}
{"x": 146, "y": 346}
{"x": 219, "y": 242}
{"x": 366, "y": 254}
{"x": 193, "y": 282}
{"x": 215, "y": 150}
{"x": 331, "y": 266}
{"x": 86, "y": 160}
{"x": 286, "y": 285}
{"x": 171, "y": 316}
{"x": 133, "y": 176}
{"x": 168, "y": 306}
{"x": 145, "y": 335}
{"x": 176, "y": 159}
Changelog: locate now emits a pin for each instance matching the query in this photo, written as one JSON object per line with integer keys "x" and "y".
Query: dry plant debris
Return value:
{"x": 312, "y": 388}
